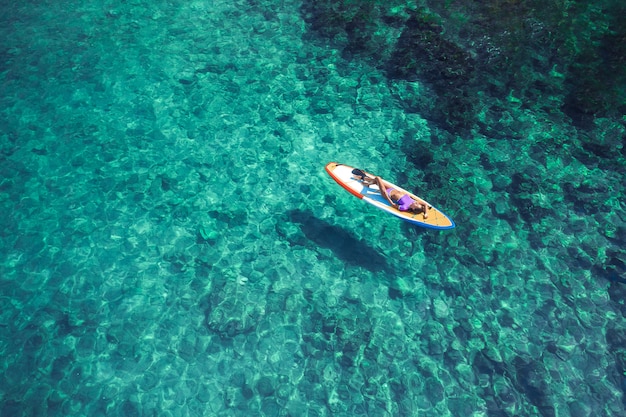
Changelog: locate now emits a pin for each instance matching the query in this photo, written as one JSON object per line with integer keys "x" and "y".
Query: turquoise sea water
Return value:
{"x": 171, "y": 246}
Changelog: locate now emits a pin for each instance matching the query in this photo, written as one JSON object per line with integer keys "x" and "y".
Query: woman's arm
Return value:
{"x": 419, "y": 200}
{"x": 425, "y": 206}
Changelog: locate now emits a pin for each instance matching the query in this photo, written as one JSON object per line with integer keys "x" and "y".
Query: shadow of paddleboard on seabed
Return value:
{"x": 344, "y": 245}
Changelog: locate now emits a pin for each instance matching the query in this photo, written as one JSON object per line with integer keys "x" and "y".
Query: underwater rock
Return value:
{"x": 229, "y": 315}
{"x": 265, "y": 386}
{"x": 422, "y": 53}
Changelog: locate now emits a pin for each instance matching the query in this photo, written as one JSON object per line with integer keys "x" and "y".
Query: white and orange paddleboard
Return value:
{"x": 371, "y": 194}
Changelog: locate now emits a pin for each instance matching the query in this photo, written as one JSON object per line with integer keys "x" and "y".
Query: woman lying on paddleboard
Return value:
{"x": 401, "y": 201}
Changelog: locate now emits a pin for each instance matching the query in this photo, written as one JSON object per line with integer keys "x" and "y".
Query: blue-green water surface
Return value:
{"x": 171, "y": 246}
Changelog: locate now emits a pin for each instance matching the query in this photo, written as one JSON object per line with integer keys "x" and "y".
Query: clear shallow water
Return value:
{"x": 172, "y": 246}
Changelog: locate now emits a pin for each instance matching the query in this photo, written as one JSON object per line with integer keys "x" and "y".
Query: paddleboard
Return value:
{"x": 343, "y": 175}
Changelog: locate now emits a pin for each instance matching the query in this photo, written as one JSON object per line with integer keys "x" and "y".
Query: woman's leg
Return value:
{"x": 383, "y": 191}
